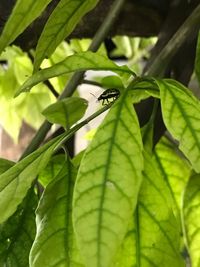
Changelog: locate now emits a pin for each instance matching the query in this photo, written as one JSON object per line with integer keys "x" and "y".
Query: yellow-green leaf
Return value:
{"x": 181, "y": 114}
{"x": 24, "y": 12}
{"x": 153, "y": 238}
{"x": 60, "y": 24}
{"x": 78, "y": 62}
{"x": 191, "y": 211}
{"x": 173, "y": 167}
{"x": 107, "y": 185}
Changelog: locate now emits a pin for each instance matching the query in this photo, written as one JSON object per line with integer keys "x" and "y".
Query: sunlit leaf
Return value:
{"x": 181, "y": 114}
{"x": 15, "y": 182}
{"x": 153, "y": 237}
{"x": 112, "y": 82}
{"x": 107, "y": 185}
{"x": 27, "y": 107}
{"x": 191, "y": 211}
{"x": 78, "y": 62}
{"x": 173, "y": 167}
{"x": 157, "y": 230}
{"x": 24, "y": 12}
{"x": 17, "y": 234}
{"x": 143, "y": 89}
{"x": 55, "y": 236}
{"x": 60, "y": 24}
{"x": 67, "y": 111}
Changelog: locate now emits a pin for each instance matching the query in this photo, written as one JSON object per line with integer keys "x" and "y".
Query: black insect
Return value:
{"x": 109, "y": 95}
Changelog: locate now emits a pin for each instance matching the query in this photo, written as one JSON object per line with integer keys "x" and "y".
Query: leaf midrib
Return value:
{"x": 102, "y": 198}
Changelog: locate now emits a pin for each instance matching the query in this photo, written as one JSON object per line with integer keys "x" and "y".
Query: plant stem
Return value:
{"x": 74, "y": 129}
{"x": 85, "y": 81}
{"x": 163, "y": 59}
{"x": 78, "y": 76}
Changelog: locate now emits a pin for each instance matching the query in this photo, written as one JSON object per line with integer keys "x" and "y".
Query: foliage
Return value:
{"x": 122, "y": 202}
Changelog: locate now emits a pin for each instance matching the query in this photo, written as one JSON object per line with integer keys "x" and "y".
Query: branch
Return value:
{"x": 136, "y": 19}
{"x": 163, "y": 59}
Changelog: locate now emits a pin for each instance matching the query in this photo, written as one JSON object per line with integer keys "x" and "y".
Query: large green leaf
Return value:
{"x": 78, "y": 62}
{"x": 15, "y": 182}
{"x": 154, "y": 239}
{"x": 191, "y": 211}
{"x": 17, "y": 234}
{"x": 107, "y": 185}
{"x": 55, "y": 236}
{"x": 60, "y": 24}
{"x": 154, "y": 236}
{"x": 157, "y": 230}
{"x": 174, "y": 169}
{"x": 24, "y": 12}
{"x": 181, "y": 114}
{"x": 66, "y": 112}
{"x": 197, "y": 59}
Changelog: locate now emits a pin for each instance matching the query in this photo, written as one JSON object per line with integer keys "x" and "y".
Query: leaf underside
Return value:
{"x": 107, "y": 185}
{"x": 181, "y": 114}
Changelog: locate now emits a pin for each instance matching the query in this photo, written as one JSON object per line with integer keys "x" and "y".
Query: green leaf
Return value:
{"x": 5, "y": 165}
{"x": 17, "y": 234}
{"x": 107, "y": 185}
{"x": 112, "y": 82}
{"x": 143, "y": 90}
{"x": 52, "y": 169}
{"x": 15, "y": 182}
{"x": 153, "y": 237}
{"x": 66, "y": 112}
{"x": 197, "y": 59}
{"x": 24, "y": 12}
{"x": 157, "y": 230}
{"x": 55, "y": 236}
{"x": 173, "y": 167}
{"x": 181, "y": 114}
{"x": 191, "y": 212}
{"x": 78, "y": 62}
{"x": 60, "y": 24}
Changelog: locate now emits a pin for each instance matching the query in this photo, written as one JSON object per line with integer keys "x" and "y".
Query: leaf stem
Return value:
{"x": 74, "y": 129}
{"x": 166, "y": 54}
{"x": 78, "y": 76}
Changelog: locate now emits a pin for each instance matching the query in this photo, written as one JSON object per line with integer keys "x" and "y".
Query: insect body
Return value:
{"x": 109, "y": 95}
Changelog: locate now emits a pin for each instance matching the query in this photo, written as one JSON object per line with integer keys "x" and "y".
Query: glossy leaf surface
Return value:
{"x": 191, "y": 211}
{"x": 55, "y": 236}
{"x": 24, "y": 12}
{"x": 181, "y": 114}
{"x": 78, "y": 62}
{"x": 66, "y": 112}
{"x": 107, "y": 185}
{"x": 59, "y": 25}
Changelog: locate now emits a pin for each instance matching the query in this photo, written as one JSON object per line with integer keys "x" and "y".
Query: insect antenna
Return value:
{"x": 94, "y": 97}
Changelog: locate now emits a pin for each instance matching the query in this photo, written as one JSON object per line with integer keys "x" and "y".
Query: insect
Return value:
{"x": 109, "y": 95}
